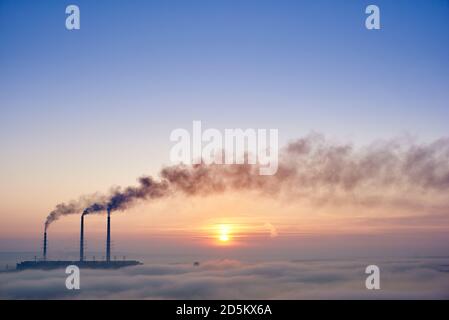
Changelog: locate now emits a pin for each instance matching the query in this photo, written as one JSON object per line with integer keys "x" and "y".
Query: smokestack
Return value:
{"x": 45, "y": 245}
{"x": 82, "y": 239}
{"x": 108, "y": 238}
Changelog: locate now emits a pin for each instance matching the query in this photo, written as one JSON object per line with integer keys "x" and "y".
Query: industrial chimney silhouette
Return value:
{"x": 82, "y": 239}
{"x": 45, "y": 245}
{"x": 108, "y": 238}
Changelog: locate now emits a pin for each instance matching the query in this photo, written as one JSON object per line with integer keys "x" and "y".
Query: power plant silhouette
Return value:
{"x": 82, "y": 263}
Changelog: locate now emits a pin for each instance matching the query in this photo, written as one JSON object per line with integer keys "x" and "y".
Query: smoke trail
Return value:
{"x": 397, "y": 172}
{"x": 118, "y": 200}
{"x": 311, "y": 167}
{"x": 96, "y": 207}
{"x": 74, "y": 207}
{"x": 148, "y": 189}
{"x": 312, "y": 163}
{"x": 62, "y": 209}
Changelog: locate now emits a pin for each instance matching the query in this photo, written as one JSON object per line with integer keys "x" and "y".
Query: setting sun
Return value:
{"x": 224, "y": 233}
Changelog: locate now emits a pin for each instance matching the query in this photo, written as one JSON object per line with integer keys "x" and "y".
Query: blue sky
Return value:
{"x": 294, "y": 65}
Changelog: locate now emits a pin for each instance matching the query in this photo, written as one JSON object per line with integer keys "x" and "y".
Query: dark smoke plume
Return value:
{"x": 147, "y": 190}
{"x": 309, "y": 168}
{"x": 63, "y": 209}
{"x": 312, "y": 165}
{"x": 118, "y": 199}
{"x": 96, "y": 207}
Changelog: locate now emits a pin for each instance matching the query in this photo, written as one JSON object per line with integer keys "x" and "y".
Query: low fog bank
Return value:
{"x": 233, "y": 279}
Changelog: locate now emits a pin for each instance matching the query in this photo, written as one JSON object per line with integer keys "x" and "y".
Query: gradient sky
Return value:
{"x": 84, "y": 110}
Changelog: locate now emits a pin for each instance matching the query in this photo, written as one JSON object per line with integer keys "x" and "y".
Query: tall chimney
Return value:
{"x": 45, "y": 245}
{"x": 108, "y": 238}
{"x": 82, "y": 239}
